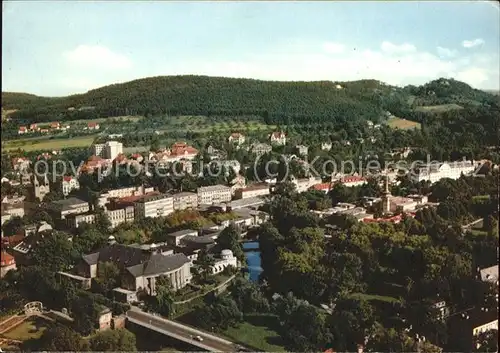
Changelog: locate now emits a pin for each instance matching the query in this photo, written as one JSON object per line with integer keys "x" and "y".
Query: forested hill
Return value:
{"x": 276, "y": 102}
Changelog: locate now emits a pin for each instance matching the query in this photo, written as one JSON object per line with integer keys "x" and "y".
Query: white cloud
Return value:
{"x": 446, "y": 53}
{"x": 396, "y": 64}
{"x": 333, "y": 48}
{"x": 472, "y": 43}
{"x": 96, "y": 56}
{"x": 391, "y": 48}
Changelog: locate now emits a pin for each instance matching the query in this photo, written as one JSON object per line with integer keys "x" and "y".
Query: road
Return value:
{"x": 184, "y": 333}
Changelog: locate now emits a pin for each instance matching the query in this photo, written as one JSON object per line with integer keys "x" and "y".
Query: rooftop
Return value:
{"x": 68, "y": 203}
{"x": 213, "y": 188}
{"x": 182, "y": 232}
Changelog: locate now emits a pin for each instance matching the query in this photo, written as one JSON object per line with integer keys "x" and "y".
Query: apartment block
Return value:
{"x": 214, "y": 194}
{"x": 185, "y": 200}
{"x": 158, "y": 205}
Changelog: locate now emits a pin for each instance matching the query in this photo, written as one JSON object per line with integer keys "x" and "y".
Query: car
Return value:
{"x": 198, "y": 338}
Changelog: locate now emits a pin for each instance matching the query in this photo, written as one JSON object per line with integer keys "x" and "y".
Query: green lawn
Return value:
{"x": 257, "y": 332}
{"x": 30, "y": 329}
{"x": 438, "y": 108}
{"x": 37, "y": 144}
{"x": 398, "y": 123}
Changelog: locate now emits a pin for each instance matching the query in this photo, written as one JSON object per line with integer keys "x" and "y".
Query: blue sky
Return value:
{"x": 61, "y": 47}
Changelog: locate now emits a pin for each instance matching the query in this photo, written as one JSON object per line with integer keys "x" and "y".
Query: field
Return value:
{"x": 257, "y": 332}
{"x": 370, "y": 297}
{"x": 37, "y": 143}
{"x": 203, "y": 124}
{"x": 438, "y": 108}
{"x": 398, "y": 123}
{"x": 32, "y": 328}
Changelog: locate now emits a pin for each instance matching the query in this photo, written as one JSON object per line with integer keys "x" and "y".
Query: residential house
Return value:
{"x": 73, "y": 221}
{"x": 325, "y": 187}
{"x": 349, "y": 180}
{"x": 326, "y": 146}
{"x": 55, "y": 125}
{"x": 260, "y": 148}
{"x": 119, "y": 215}
{"x": 7, "y": 263}
{"x": 93, "y": 126}
{"x": 302, "y": 150}
{"x": 69, "y": 183}
{"x": 278, "y": 138}
{"x": 236, "y": 138}
{"x": 22, "y": 130}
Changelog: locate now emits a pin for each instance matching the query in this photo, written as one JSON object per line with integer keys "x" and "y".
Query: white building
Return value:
{"x": 69, "y": 184}
{"x": 434, "y": 172}
{"x": 302, "y": 150}
{"x": 213, "y": 194}
{"x": 326, "y": 146}
{"x": 302, "y": 185}
{"x": 108, "y": 150}
{"x": 278, "y": 138}
{"x": 124, "y": 192}
{"x": 236, "y": 138}
{"x": 75, "y": 220}
{"x": 118, "y": 216}
{"x": 260, "y": 189}
{"x": 185, "y": 200}
{"x": 226, "y": 259}
{"x": 154, "y": 206}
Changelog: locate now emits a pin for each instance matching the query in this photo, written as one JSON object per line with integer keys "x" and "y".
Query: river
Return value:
{"x": 252, "y": 255}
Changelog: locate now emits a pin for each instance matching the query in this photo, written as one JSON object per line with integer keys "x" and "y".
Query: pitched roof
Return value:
{"x": 135, "y": 260}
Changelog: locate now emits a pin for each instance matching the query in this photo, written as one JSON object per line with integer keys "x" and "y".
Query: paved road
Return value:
{"x": 185, "y": 332}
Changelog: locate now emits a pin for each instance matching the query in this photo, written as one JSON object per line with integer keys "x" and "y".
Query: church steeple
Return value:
{"x": 386, "y": 197}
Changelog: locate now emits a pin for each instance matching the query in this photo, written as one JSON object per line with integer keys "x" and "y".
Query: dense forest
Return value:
{"x": 277, "y": 102}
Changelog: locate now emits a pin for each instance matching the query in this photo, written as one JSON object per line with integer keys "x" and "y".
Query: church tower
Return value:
{"x": 386, "y": 198}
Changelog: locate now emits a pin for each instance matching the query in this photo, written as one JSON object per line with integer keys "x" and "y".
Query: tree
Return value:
{"x": 113, "y": 341}
{"x": 203, "y": 268}
{"x": 54, "y": 252}
{"x": 58, "y": 338}
{"x": 163, "y": 301}
{"x": 88, "y": 239}
{"x": 85, "y": 313}
{"x": 229, "y": 239}
{"x": 108, "y": 276}
{"x": 102, "y": 221}
{"x": 221, "y": 314}
{"x": 248, "y": 296}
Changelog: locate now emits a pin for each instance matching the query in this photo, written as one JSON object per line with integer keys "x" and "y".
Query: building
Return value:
{"x": 62, "y": 208}
{"x": 302, "y": 150}
{"x": 139, "y": 268}
{"x": 69, "y": 183}
{"x": 124, "y": 192}
{"x": 278, "y": 138}
{"x": 254, "y": 190}
{"x": 349, "y": 181}
{"x": 236, "y": 138}
{"x": 213, "y": 194}
{"x": 93, "y": 126}
{"x": 325, "y": 187}
{"x": 226, "y": 259}
{"x": 260, "y": 148}
{"x": 20, "y": 164}
{"x": 489, "y": 274}
{"x": 434, "y": 172}
{"x": 73, "y": 221}
{"x": 302, "y": 185}
{"x": 185, "y": 200}
{"x": 239, "y": 182}
{"x": 153, "y": 205}
{"x": 326, "y": 146}
{"x": 55, "y": 125}
{"x": 174, "y": 238}
{"x": 7, "y": 263}
{"x": 252, "y": 202}
{"x": 40, "y": 189}
{"x": 13, "y": 207}
{"x": 119, "y": 215}
{"x": 22, "y": 130}
{"x": 108, "y": 150}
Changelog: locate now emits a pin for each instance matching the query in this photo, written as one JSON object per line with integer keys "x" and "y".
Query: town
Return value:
{"x": 249, "y": 177}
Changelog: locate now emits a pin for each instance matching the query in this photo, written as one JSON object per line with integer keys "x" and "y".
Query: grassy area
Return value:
{"x": 370, "y": 297}
{"x": 398, "y": 123}
{"x": 203, "y": 124}
{"x": 438, "y": 108}
{"x": 34, "y": 144}
{"x": 133, "y": 118}
{"x": 258, "y": 332}
{"x": 30, "y": 329}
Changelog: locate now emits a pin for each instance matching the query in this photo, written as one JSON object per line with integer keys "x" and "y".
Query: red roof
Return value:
{"x": 55, "y": 124}
{"x": 181, "y": 148}
{"x": 351, "y": 179}
{"x": 92, "y": 124}
{"x": 67, "y": 178}
{"x": 33, "y": 126}
{"x": 13, "y": 239}
{"x": 278, "y": 134}
{"x": 235, "y": 135}
{"x": 22, "y": 128}
{"x": 129, "y": 199}
{"x": 321, "y": 187}
{"x": 7, "y": 259}
{"x": 256, "y": 187}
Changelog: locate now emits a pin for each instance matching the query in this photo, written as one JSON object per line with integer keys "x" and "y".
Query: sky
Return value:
{"x": 55, "y": 48}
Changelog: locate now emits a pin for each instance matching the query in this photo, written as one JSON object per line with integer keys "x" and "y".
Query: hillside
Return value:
{"x": 277, "y": 102}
